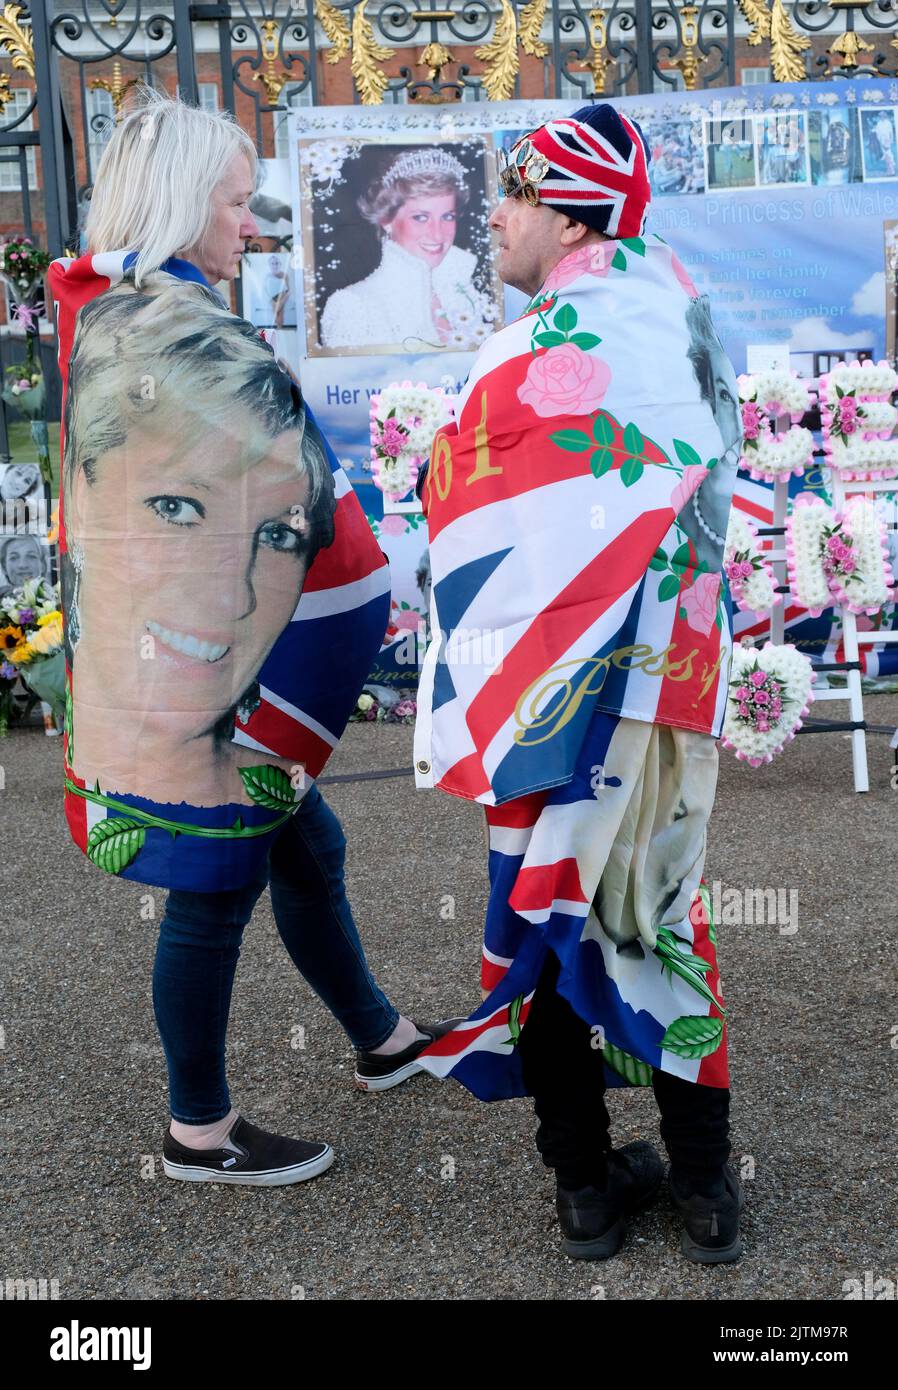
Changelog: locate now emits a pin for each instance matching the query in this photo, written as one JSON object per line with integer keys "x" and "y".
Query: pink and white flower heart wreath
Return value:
{"x": 769, "y": 696}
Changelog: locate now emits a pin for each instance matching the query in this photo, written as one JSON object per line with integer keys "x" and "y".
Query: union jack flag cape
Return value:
{"x": 310, "y": 677}
{"x": 577, "y": 511}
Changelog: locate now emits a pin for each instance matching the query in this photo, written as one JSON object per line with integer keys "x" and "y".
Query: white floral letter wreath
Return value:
{"x": 764, "y": 397}
{"x": 858, "y": 418}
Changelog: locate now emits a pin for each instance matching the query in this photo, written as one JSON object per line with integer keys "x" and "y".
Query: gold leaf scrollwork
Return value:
{"x": 367, "y": 55}
{"x": 434, "y": 58}
{"x": 500, "y": 56}
{"x": 849, "y": 45}
{"x": 16, "y": 43}
{"x": 785, "y": 46}
{"x": 336, "y": 28}
{"x": 530, "y": 28}
{"x": 757, "y": 13}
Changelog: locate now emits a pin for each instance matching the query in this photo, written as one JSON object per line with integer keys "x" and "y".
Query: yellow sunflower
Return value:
{"x": 10, "y": 637}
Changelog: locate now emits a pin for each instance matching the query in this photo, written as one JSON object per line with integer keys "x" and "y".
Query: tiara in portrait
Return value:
{"x": 429, "y": 160}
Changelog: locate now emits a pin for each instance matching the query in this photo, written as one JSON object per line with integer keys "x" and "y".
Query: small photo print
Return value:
{"x": 271, "y": 204}
{"x": 20, "y": 482}
{"x": 23, "y": 556}
{"x": 268, "y": 298}
{"x": 730, "y": 153}
{"x": 677, "y": 164}
{"x": 879, "y": 141}
{"x": 833, "y": 146}
{"x": 782, "y": 141}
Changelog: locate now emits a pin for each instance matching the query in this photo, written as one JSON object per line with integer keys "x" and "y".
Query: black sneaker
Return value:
{"x": 710, "y": 1224}
{"x": 249, "y": 1156}
{"x": 374, "y": 1072}
{"x": 594, "y": 1219}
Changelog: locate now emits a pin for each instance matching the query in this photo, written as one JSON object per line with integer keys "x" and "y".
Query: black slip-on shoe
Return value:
{"x": 374, "y": 1072}
{"x": 593, "y": 1220}
{"x": 249, "y": 1156}
{"x": 710, "y": 1224}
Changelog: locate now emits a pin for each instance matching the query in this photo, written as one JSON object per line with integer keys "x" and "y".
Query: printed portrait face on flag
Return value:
{"x": 195, "y": 500}
{"x": 396, "y": 247}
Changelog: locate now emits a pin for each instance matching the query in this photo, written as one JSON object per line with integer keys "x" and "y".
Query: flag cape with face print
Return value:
{"x": 210, "y": 671}
{"x": 577, "y": 511}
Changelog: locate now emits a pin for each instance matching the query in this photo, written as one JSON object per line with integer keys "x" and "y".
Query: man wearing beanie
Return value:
{"x": 577, "y": 680}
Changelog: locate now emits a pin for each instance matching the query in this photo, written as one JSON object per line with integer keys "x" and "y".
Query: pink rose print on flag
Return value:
{"x": 565, "y": 381}
{"x": 700, "y": 602}
{"x": 589, "y": 260}
{"x": 392, "y": 525}
{"x": 694, "y": 474}
{"x": 682, "y": 275}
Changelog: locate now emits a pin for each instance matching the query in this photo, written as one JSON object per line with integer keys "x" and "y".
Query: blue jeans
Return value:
{"x": 199, "y": 944}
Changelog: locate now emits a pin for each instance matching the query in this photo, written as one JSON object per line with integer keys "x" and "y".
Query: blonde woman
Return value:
{"x": 197, "y": 492}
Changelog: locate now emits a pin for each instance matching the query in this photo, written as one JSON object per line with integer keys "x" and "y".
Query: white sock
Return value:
{"x": 402, "y": 1036}
{"x": 204, "y": 1136}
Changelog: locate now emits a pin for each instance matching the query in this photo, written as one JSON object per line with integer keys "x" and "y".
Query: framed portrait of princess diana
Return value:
{"x": 396, "y": 245}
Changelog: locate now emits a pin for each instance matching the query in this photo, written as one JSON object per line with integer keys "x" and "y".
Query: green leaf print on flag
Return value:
{"x": 549, "y": 339}
{"x": 574, "y": 441}
{"x": 688, "y": 456}
{"x": 659, "y": 560}
{"x": 693, "y": 1036}
{"x": 268, "y": 786}
{"x": 566, "y": 319}
{"x": 632, "y": 1069}
{"x": 668, "y": 588}
{"x": 689, "y": 967}
{"x": 514, "y": 1020}
{"x": 112, "y": 844}
{"x": 585, "y": 341}
{"x": 600, "y": 461}
{"x": 705, "y": 895}
{"x": 619, "y": 262}
{"x": 634, "y": 243}
{"x": 602, "y": 429}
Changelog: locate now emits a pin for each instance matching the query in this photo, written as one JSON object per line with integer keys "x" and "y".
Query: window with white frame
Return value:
{"x": 292, "y": 95}
{"x": 753, "y": 77}
{"x": 100, "y": 124}
{"x": 10, "y": 178}
{"x": 208, "y": 94}
{"x": 672, "y": 81}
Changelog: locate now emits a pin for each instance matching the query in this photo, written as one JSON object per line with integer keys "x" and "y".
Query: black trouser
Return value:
{"x": 564, "y": 1072}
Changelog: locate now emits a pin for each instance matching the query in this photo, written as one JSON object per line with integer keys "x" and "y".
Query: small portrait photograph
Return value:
{"x": 268, "y": 299}
{"x": 270, "y": 205}
{"x": 730, "y": 153}
{"x": 677, "y": 164}
{"x": 20, "y": 482}
{"x": 879, "y": 142}
{"x": 23, "y": 556}
{"x": 192, "y": 518}
{"x": 396, "y": 246}
{"x": 782, "y": 141}
{"x": 834, "y": 147}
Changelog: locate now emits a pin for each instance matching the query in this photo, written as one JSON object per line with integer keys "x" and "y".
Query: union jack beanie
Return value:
{"x": 595, "y": 168}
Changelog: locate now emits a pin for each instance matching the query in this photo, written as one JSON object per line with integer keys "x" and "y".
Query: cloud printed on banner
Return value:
{"x": 869, "y": 301}
{"x": 814, "y": 334}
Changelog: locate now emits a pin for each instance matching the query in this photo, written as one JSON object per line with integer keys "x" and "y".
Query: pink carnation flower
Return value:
{"x": 700, "y": 602}
{"x": 565, "y": 381}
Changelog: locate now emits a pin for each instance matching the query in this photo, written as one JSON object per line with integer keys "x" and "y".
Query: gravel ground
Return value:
{"x": 83, "y": 1102}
